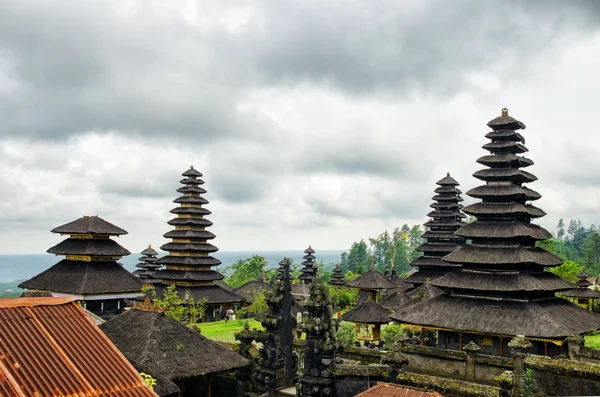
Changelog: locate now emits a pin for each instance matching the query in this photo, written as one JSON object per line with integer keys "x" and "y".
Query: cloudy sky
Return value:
{"x": 314, "y": 122}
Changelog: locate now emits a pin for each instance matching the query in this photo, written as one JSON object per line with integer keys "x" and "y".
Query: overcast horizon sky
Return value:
{"x": 313, "y": 122}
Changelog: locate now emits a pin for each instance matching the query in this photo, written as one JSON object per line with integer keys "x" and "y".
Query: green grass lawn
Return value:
{"x": 223, "y": 331}
{"x": 593, "y": 341}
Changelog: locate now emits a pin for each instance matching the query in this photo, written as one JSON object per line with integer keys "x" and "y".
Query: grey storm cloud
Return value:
{"x": 72, "y": 67}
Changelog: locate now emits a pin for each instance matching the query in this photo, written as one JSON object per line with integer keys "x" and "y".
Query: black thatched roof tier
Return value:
{"x": 190, "y": 210}
{"x": 371, "y": 280}
{"x": 191, "y": 189}
{"x": 395, "y": 300}
{"x": 92, "y": 247}
{"x": 149, "y": 251}
{"x": 300, "y": 291}
{"x": 188, "y": 234}
{"x": 248, "y": 290}
{"x": 224, "y": 285}
{"x": 552, "y": 318}
{"x": 505, "y": 230}
{"x": 190, "y": 222}
{"x": 180, "y": 275}
{"x": 472, "y": 254}
{"x": 437, "y": 247}
{"x": 190, "y": 200}
{"x": 504, "y": 135}
{"x": 214, "y": 294}
{"x": 508, "y": 191}
{"x": 368, "y": 312}
{"x": 505, "y": 146}
{"x": 402, "y": 285}
{"x": 189, "y": 247}
{"x": 503, "y": 282}
{"x": 447, "y": 181}
{"x": 90, "y": 225}
{"x": 85, "y": 278}
{"x": 503, "y": 209}
{"x": 582, "y": 293}
{"x": 504, "y": 160}
{"x": 503, "y": 174}
{"x": 167, "y": 348}
{"x": 421, "y": 277}
{"x": 582, "y": 274}
{"x": 337, "y": 277}
{"x": 432, "y": 261}
{"x": 505, "y": 122}
{"x": 425, "y": 291}
{"x": 442, "y": 234}
{"x": 189, "y": 260}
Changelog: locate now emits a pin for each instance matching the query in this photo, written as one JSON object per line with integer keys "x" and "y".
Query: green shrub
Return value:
{"x": 346, "y": 334}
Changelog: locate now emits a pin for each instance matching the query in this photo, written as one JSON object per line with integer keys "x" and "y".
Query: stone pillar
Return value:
{"x": 471, "y": 349}
{"x": 519, "y": 346}
{"x": 395, "y": 359}
{"x": 574, "y": 344}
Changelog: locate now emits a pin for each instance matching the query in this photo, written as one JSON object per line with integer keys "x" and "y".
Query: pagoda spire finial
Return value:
{"x": 448, "y": 173}
{"x": 504, "y": 112}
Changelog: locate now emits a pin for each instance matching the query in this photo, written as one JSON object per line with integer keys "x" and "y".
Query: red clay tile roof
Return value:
{"x": 49, "y": 347}
{"x": 382, "y": 389}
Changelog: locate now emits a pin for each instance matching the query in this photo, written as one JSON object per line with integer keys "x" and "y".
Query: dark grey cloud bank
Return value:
{"x": 182, "y": 89}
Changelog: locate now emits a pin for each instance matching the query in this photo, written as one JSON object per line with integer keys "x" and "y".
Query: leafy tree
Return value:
{"x": 567, "y": 270}
{"x": 343, "y": 296}
{"x": 560, "y": 230}
{"x": 259, "y": 304}
{"x": 591, "y": 252}
{"x": 390, "y": 333}
{"x": 346, "y": 334}
{"x": 245, "y": 270}
{"x": 172, "y": 305}
{"x": 359, "y": 255}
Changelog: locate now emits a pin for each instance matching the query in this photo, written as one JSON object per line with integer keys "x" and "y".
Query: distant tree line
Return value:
{"x": 578, "y": 246}
{"x": 399, "y": 245}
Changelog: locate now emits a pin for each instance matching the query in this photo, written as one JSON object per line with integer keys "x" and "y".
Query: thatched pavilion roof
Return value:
{"x": 89, "y": 225}
{"x": 371, "y": 280}
{"x": 167, "y": 348}
{"x": 395, "y": 300}
{"x": 368, "y": 312}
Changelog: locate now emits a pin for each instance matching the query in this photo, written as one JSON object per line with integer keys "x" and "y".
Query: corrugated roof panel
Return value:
{"x": 54, "y": 349}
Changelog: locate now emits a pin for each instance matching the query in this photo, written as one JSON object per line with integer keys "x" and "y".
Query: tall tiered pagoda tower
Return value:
{"x": 189, "y": 263}
{"x": 440, "y": 240}
{"x": 147, "y": 266}
{"x": 90, "y": 271}
{"x": 502, "y": 289}
{"x": 309, "y": 267}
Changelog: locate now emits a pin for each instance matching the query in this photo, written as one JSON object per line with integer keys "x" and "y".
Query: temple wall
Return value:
{"x": 353, "y": 379}
{"x": 564, "y": 377}
{"x": 589, "y": 355}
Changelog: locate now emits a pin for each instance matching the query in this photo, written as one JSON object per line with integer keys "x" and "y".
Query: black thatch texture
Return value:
{"x": 505, "y": 230}
{"x": 402, "y": 285}
{"x": 85, "y": 278}
{"x": 197, "y": 234}
{"x": 191, "y": 189}
{"x": 425, "y": 292}
{"x": 189, "y": 261}
{"x": 189, "y": 247}
{"x": 503, "y": 174}
{"x": 190, "y": 200}
{"x": 251, "y": 288}
{"x": 149, "y": 251}
{"x": 190, "y": 222}
{"x": 437, "y": 247}
{"x": 504, "y": 160}
{"x": 503, "y": 282}
{"x": 192, "y": 173}
{"x": 505, "y": 122}
{"x": 90, "y": 225}
{"x": 511, "y": 191}
{"x": 507, "y": 209}
{"x": 371, "y": 280}
{"x": 421, "y": 277}
{"x": 395, "y": 301}
{"x": 582, "y": 274}
{"x": 214, "y": 294}
{"x": 167, "y": 348}
{"x": 91, "y": 247}
{"x": 337, "y": 277}
{"x": 582, "y": 293}
{"x": 471, "y": 254}
{"x": 368, "y": 312}
{"x": 224, "y": 285}
{"x": 432, "y": 261}
{"x": 187, "y": 275}
{"x": 507, "y": 134}
{"x": 552, "y": 318}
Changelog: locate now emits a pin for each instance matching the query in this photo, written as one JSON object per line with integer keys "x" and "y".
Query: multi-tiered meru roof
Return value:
{"x": 337, "y": 277}
{"x": 309, "y": 266}
{"x": 189, "y": 263}
{"x": 90, "y": 270}
{"x": 502, "y": 287}
{"x": 440, "y": 240}
{"x": 147, "y": 266}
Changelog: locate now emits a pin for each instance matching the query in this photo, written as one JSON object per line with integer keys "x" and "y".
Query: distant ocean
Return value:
{"x": 20, "y": 267}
